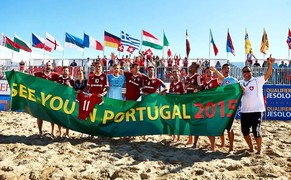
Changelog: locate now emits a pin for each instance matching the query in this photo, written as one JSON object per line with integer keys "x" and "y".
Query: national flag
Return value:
{"x": 165, "y": 41}
{"x": 111, "y": 40}
{"x": 72, "y": 41}
{"x": 120, "y": 48}
{"x": 148, "y": 52}
{"x": 7, "y": 42}
{"x": 90, "y": 42}
{"x": 229, "y": 45}
{"x": 187, "y": 45}
{"x": 288, "y": 41}
{"x": 21, "y": 44}
{"x": 51, "y": 42}
{"x": 248, "y": 45}
{"x": 265, "y": 43}
{"x": 128, "y": 40}
{"x": 169, "y": 53}
{"x": 130, "y": 49}
{"x": 38, "y": 42}
{"x": 213, "y": 44}
{"x": 150, "y": 40}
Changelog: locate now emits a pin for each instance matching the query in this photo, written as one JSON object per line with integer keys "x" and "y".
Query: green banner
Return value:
{"x": 206, "y": 113}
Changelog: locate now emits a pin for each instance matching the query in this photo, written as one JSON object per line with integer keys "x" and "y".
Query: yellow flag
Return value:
{"x": 265, "y": 43}
{"x": 248, "y": 45}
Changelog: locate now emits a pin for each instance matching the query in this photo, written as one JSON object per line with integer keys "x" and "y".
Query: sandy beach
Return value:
{"x": 24, "y": 155}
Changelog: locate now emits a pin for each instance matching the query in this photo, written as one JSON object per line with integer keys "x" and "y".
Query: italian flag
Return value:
{"x": 151, "y": 41}
{"x": 20, "y": 44}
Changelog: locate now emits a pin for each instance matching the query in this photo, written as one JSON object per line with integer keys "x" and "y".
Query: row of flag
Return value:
{"x": 125, "y": 40}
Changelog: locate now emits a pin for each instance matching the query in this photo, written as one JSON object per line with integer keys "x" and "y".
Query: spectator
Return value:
{"x": 73, "y": 64}
{"x": 54, "y": 64}
{"x": 218, "y": 66}
{"x": 257, "y": 64}
{"x": 249, "y": 60}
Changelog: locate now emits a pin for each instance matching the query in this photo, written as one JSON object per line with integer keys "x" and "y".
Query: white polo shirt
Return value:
{"x": 252, "y": 100}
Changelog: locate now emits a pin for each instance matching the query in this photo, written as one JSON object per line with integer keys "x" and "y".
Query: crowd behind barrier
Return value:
{"x": 281, "y": 73}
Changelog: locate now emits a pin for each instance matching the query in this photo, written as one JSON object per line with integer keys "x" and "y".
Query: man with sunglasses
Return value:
{"x": 252, "y": 104}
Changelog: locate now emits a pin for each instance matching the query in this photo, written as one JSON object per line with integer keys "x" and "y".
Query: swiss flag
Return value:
{"x": 120, "y": 48}
{"x": 130, "y": 49}
{"x": 169, "y": 53}
{"x": 149, "y": 52}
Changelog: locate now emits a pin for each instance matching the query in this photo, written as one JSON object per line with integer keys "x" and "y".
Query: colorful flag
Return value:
{"x": 38, "y": 42}
{"x": 120, "y": 48}
{"x": 90, "y": 42}
{"x": 148, "y": 52}
{"x": 74, "y": 42}
{"x": 165, "y": 40}
{"x": 111, "y": 40}
{"x": 213, "y": 44}
{"x": 248, "y": 45}
{"x": 7, "y": 42}
{"x": 150, "y": 40}
{"x": 288, "y": 41}
{"x": 229, "y": 45}
{"x": 21, "y": 44}
{"x": 51, "y": 42}
{"x": 265, "y": 43}
{"x": 187, "y": 45}
{"x": 130, "y": 49}
{"x": 128, "y": 40}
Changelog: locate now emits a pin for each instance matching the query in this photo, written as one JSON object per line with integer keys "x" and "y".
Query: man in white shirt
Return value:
{"x": 252, "y": 104}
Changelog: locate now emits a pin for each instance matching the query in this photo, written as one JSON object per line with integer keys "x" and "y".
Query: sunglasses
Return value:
{"x": 246, "y": 71}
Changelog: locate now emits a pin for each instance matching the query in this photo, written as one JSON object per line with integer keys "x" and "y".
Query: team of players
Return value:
{"x": 99, "y": 84}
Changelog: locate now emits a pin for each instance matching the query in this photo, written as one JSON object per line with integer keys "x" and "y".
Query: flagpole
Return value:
{"x": 209, "y": 44}
{"x": 163, "y": 44}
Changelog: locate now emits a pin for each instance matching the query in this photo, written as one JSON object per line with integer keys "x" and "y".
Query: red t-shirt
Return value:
{"x": 62, "y": 80}
{"x": 52, "y": 76}
{"x": 151, "y": 85}
{"x": 87, "y": 103}
{"x": 192, "y": 80}
{"x": 97, "y": 83}
{"x": 213, "y": 83}
{"x": 177, "y": 87}
{"x": 133, "y": 85}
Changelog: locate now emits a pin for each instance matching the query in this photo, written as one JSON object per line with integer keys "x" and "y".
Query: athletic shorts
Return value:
{"x": 251, "y": 120}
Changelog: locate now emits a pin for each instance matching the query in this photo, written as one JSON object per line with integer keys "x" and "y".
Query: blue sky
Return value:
{"x": 174, "y": 17}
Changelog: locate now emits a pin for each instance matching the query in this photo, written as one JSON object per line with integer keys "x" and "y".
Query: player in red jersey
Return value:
{"x": 134, "y": 83}
{"x": 209, "y": 83}
{"x": 67, "y": 80}
{"x": 152, "y": 83}
{"x": 97, "y": 82}
{"x": 192, "y": 85}
{"x": 52, "y": 76}
{"x": 176, "y": 87}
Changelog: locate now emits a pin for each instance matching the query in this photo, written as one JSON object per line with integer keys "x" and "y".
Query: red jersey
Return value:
{"x": 62, "y": 80}
{"x": 177, "y": 61}
{"x": 170, "y": 63}
{"x": 97, "y": 83}
{"x": 133, "y": 85}
{"x": 185, "y": 63}
{"x": 192, "y": 80}
{"x": 213, "y": 83}
{"x": 177, "y": 87}
{"x": 87, "y": 103}
{"x": 151, "y": 85}
{"x": 142, "y": 60}
{"x": 52, "y": 76}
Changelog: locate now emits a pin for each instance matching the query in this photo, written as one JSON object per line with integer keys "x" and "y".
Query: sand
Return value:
{"x": 24, "y": 155}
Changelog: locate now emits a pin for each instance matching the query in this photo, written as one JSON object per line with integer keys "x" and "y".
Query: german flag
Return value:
{"x": 111, "y": 40}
